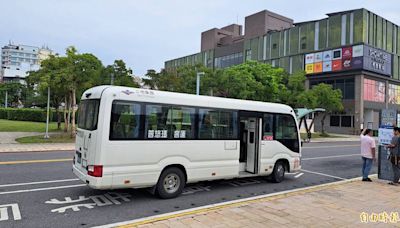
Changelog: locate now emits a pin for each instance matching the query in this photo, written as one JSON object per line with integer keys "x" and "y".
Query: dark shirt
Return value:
{"x": 395, "y": 141}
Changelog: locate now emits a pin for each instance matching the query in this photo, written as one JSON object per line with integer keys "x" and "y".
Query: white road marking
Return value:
{"x": 322, "y": 147}
{"x": 14, "y": 209}
{"x": 42, "y": 189}
{"x": 39, "y": 182}
{"x": 299, "y": 175}
{"x": 334, "y": 156}
{"x": 323, "y": 174}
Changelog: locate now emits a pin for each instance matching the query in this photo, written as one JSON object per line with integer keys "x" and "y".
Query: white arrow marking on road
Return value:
{"x": 14, "y": 209}
{"x": 298, "y": 175}
{"x": 39, "y": 182}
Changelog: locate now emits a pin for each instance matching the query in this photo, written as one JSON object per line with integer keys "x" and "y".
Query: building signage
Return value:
{"x": 318, "y": 57}
{"x": 349, "y": 58}
{"x": 310, "y": 59}
{"x": 358, "y": 51}
{"x": 327, "y": 67}
{"x": 377, "y": 60}
{"x": 327, "y": 56}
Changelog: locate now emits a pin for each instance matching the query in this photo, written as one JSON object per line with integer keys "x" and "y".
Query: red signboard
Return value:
{"x": 347, "y": 52}
{"x": 337, "y": 65}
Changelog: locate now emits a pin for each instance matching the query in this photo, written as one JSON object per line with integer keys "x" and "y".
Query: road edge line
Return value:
{"x": 213, "y": 207}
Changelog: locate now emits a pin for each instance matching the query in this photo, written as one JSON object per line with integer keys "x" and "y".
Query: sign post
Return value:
{"x": 387, "y": 122}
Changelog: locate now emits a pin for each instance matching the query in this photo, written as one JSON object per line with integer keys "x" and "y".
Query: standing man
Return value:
{"x": 394, "y": 153}
{"x": 367, "y": 153}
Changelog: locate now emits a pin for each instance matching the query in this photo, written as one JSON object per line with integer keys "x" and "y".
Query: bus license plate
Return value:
{"x": 84, "y": 163}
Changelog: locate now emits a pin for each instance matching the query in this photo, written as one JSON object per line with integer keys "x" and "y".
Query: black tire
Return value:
{"x": 166, "y": 188}
{"x": 278, "y": 175}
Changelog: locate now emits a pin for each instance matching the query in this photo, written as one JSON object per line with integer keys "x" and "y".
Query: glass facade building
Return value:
{"x": 365, "y": 92}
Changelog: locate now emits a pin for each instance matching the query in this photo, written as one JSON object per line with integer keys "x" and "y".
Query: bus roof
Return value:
{"x": 163, "y": 97}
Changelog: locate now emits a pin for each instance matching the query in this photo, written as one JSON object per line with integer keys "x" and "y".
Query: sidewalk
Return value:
{"x": 345, "y": 204}
{"x": 35, "y": 147}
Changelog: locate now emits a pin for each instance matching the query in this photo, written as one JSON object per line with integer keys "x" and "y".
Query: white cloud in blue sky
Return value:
{"x": 146, "y": 33}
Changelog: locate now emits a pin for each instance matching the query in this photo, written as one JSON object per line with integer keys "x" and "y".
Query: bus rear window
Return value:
{"x": 88, "y": 113}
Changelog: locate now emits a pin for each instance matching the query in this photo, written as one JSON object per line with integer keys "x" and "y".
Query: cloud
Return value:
{"x": 146, "y": 33}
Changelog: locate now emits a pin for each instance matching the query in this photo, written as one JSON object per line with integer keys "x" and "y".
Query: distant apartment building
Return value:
{"x": 355, "y": 51}
{"x": 18, "y": 60}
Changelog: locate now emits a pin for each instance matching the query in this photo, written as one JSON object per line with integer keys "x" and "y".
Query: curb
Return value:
{"x": 217, "y": 206}
{"x": 37, "y": 151}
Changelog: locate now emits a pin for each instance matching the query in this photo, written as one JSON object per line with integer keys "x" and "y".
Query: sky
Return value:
{"x": 146, "y": 33}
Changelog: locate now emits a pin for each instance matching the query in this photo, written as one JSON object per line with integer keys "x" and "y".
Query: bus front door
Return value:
{"x": 252, "y": 145}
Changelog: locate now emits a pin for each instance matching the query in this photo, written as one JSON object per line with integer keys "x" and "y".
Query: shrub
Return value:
{"x": 24, "y": 114}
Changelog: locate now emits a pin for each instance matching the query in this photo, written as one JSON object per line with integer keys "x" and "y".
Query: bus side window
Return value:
{"x": 125, "y": 119}
{"x": 286, "y": 131}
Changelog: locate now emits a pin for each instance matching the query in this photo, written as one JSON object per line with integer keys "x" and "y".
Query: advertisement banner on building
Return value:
{"x": 327, "y": 66}
{"x": 309, "y": 59}
{"x": 327, "y": 56}
{"x": 337, "y": 65}
{"x": 351, "y": 58}
{"x": 337, "y": 54}
{"x": 309, "y": 68}
{"x": 357, "y": 62}
{"x": 358, "y": 51}
{"x": 318, "y": 67}
{"x": 318, "y": 57}
{"x": 347, "y": 53}
{"x": 346, "y": 64}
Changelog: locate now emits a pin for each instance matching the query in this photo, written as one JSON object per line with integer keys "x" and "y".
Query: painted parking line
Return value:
{"x": 35, "y": 161}
{"x": 38, "y": 182}
{"x": 42, "y": 189}
{"x": 323, "y": 174}
{"x": 333, "y": 156}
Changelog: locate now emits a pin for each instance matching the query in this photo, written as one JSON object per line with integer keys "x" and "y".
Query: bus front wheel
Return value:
{"x": 278, "y": 174}
{"x": 170, "y": 183}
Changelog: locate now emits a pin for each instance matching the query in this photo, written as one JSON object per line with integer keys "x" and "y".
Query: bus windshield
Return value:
{"x": 88, "y": 113}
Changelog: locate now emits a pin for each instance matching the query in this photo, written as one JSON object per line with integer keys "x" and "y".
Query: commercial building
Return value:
{"x": 355, "y": 51}
{"x": 17, "y": 60}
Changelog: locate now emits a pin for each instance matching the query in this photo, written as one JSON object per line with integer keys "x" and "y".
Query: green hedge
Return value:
{"x": 25, "y": 114}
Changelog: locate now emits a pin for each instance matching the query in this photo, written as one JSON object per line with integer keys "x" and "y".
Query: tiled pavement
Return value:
{"x": 348, "y": 204}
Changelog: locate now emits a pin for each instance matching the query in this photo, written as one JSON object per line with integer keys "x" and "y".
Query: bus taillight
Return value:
{"x": 95, "y": 170}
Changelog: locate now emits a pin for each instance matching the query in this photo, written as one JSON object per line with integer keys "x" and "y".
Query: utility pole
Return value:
{"x": 46, "y": 136}
{"x": 6, "y": 103}
{"x": 198, "y": 74}
{"x": 112, "y": 79}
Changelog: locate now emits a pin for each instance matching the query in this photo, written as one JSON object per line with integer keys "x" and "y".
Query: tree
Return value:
{"x": 252, "y": 81}
{"x": 121, "y": 75}
{"x": 17, "y": 93}
{"x": 323, "y": 96}
{"x": 81, "y": 70}
{"x": 51, "y": 74}
{"x": 293, "y": 90}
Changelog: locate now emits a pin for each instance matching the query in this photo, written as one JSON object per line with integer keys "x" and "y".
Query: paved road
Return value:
{"x": 48, "y": 194}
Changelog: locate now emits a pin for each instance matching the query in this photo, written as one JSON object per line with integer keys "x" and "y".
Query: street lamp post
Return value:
{"x": 198, "y": 74}
{"x": 46, "y": 136}
{"x": 6, "y": 103}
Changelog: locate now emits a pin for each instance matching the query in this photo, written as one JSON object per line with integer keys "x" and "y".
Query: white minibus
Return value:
{"x": 139, "y": 138}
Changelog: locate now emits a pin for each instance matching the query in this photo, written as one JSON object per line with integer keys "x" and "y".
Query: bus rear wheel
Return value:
{"x": 278, "y": 174}
{"x": 171, "y": 183}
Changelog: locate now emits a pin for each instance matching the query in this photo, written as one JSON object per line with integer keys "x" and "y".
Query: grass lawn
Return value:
{"x": 26, "y": 126}
{"x": 56, "y": 138}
